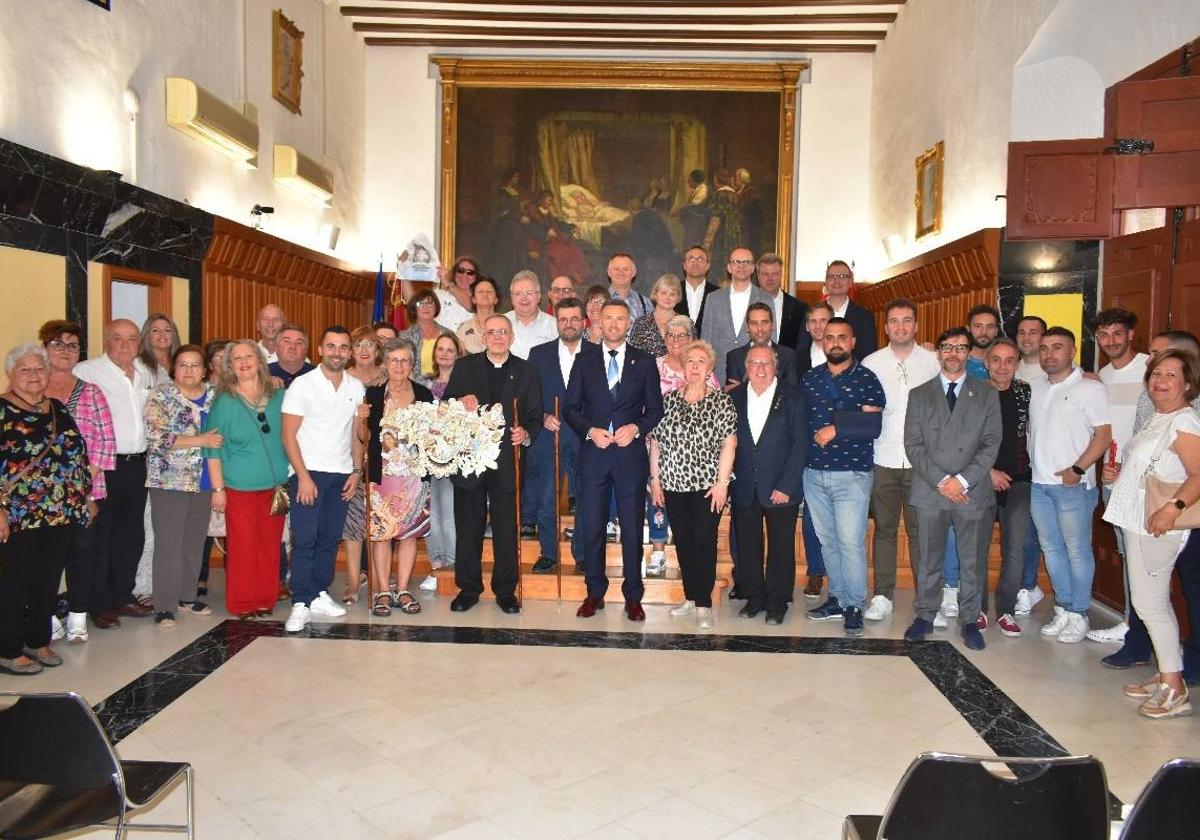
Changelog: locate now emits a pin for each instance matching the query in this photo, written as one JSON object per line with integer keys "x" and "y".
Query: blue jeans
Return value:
{"x": 316, "y": 533}
{"x": 813, "y": 558}
{"x": 950, "y": 560}
{"x": 1032, "y": 553}
{"x": 838, "y": 501}
{"x": 541, "y": 476}
{"x": 1063, "y": 516}
{"x": 656, "y": 518}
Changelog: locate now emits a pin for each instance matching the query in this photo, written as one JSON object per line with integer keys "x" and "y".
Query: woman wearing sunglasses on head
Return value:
{"x": 244, "y": 473}
{"x": 454, "y": 294}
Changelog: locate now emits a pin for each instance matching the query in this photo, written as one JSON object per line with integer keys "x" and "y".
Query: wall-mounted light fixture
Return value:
{"x": 302, "y": 173}
{"x": 202, "y": 116}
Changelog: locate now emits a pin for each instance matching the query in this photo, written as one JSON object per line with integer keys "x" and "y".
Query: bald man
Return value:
{"x": 116, "y": 539}
{"x": 270, "y": 321}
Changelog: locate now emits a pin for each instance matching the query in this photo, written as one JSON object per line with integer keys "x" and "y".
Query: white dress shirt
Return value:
{"x": 126, "y": 399}
{"x": 777, "y": 308}
{"x": 817, "y": 354}
{"x": 739, "y": 302}
{"x": 543, "y": 328}
{"x": 1063, "y": 417}
{"x": 840, "y": 311}
{"x": 694, "y": 298}
{"x": 898, "y": 377}
{"x": 328, "y": 413}
{"x": 566, "y": 359}
{"x": 758, "y": 407}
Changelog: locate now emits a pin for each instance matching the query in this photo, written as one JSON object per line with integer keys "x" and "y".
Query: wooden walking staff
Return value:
{"x": 517, "y": 506}
{"x": 365, "y": 437}
{"x": 557, "y": 512}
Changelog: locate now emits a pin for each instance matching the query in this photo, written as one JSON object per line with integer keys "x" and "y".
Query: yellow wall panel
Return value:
{"x": 32, "y": 291}
{"x": 1059, "y": 311}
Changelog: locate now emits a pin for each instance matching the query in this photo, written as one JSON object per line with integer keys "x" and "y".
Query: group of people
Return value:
{"x": 668, "y": 408}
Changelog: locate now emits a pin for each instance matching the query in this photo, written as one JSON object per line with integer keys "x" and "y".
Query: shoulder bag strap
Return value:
{"x": 11, "y": 484}
{"x": 261, "y": 436}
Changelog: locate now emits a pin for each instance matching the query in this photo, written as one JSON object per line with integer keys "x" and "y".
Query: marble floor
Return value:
{"x": 482, "y": 725}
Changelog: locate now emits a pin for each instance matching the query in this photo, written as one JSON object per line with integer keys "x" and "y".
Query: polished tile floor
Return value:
{"x": 525, "y": 731}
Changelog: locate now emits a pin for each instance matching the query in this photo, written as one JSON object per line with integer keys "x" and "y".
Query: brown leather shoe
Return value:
{"x": 634, "y": 610}
{"x": 589, "y": 606}
{"x": 285, "y": 593}
{"x": 813, "y": 588}
{"x": 136, "y": 610}
{"x": 106, "y": 620}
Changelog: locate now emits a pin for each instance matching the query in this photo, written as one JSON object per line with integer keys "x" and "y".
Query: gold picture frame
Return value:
{"x": 781, "y": 78}
{"x": 287, "y": 61}
{"x": 928, "y": 198}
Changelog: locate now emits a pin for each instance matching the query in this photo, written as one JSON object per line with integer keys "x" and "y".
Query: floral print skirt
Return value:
{"x": 399, "y": 508}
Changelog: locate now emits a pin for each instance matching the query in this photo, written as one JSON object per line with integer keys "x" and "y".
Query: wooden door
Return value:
{"x": 1185, "y": 279}
{"x": 1166, "y": 114}
{"x": 1060, "y": 189}
{"x": 1137, "y": 270}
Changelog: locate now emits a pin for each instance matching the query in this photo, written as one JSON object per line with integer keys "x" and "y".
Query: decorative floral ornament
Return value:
{"x": 441, "y": 439}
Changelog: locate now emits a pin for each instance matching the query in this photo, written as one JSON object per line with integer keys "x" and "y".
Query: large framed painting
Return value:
{"x": 556, "y": 165}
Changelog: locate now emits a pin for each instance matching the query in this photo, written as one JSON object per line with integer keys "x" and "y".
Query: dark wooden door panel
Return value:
{"x": 1136, "y": 272}
{"x": 1060, "y": 189}
{"x": 1185, "y": 280}
{"x": 1165, "y": 112}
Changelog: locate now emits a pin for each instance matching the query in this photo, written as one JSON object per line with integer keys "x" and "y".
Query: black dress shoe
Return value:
{"x": 463, "y": 602}
{"x": 508, "y": 604}
{"x": 776, "y": 616}
{"x": 735, "y": 595}
{"x": 529, "y": 532}
{"x": 545, "y": 566}
{"x": 750, "y": 611}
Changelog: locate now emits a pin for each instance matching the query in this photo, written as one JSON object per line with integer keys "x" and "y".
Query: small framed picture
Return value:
{"x": 929, "y": 190}
{"x": 287, "y": 64}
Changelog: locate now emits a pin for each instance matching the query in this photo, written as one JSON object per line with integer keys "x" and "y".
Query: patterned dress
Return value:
{"x": 399, "y": 503}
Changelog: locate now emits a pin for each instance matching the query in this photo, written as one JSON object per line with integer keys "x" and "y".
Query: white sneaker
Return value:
{"x": 686, "y": 608}
{"x": 298, "y": 618}
{"x": 950, "y": 601}
{"x": 704, "y": 618}
{"x": 429, "y": 584}
{"x": 1109, "y": 636}
{"x": 657, "y": 566}
{"x": 1076, "y": 629}
{"x": 57, "y": 631}
{"x": 1058, "y": 623}
{"x": 939, "y": 620}
{"x": 323, "y": 605}
{"x": 77, "y": 627}
{"x": 1027, "y": 599}
{"x": 610, "y": 532}
{"x": 879, "y": 608}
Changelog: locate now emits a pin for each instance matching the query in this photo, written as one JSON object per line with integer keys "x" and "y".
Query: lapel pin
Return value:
{"x": 970, "y": 393}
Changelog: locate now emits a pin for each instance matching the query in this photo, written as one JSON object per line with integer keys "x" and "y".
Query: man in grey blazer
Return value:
{"x": 952, "y": 432}
{"x": 725, "y": 309}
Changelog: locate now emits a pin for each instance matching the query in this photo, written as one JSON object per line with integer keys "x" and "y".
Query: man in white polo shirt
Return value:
{"x": 1069, "y": 431}
{"x": 531, "y": 326}
{"x": 320, "y": 436}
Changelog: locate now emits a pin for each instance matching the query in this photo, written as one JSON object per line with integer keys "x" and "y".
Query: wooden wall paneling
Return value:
{"x": 1185, "y": 279}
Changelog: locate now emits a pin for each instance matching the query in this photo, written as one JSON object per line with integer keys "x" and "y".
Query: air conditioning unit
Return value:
{"x": 202, "y": 116}
{"x": 302, "y": 173}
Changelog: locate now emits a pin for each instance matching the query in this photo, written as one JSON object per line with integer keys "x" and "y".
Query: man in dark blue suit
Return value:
{"x": 554, "y": 361}
{"x": 614, "y": 400}
{"x": 768, "y": 465}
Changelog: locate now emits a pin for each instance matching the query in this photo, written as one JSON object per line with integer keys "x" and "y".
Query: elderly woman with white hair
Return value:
{"x": 649, "y": 332}
{"x": 44, "y": 487}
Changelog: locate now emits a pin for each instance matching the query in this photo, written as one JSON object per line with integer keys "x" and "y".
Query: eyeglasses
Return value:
{"x": 760, "y": 363}
{"x": 189, "y": 365}
{"x": 742, "y": 263}
{"x": 574, "y": 319}
{"x": 678, "y": 336}
{"x": 695, "y": 258}
{"x": 55, "y": 344}
{"x": 903, "y": 373}
{"x": 524, "y": 293}
{"x": 560, "y": 291}
{"x": 837, "y": 276}
{"x": 465, "y": 269}
{"x": 403, "y": 360}
{"x": 954, "y": 348}
{"x": 426, "y": 302}
{"x": 497, "y": 333}
{"x": 367, "y": 344}
{"x": 262, "y": 418}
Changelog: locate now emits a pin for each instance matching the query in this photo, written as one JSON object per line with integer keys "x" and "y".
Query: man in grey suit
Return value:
{"x": 725, "y": 309}
{"x": 952, "y": 432}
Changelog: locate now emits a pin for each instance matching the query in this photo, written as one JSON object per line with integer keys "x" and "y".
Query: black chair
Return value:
{"x": 59, "y": 772}
{"x": 956, "y": 796}
{"x": 1169, "y": 805}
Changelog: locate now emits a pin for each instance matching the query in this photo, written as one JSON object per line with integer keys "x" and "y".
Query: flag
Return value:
{"x": 377, "y": 312}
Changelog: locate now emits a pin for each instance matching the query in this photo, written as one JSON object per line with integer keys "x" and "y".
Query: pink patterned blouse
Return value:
{"x": 89, "y": 409}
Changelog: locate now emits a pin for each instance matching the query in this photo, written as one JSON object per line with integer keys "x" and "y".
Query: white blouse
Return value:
{"x": 1127, "y": 507}
{"x": 453, "y": 313}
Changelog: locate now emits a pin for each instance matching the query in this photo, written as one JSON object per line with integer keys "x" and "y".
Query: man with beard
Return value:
{"x": 845, "y": 404}
{"x": 1030, "y": 330}
{"x": 320, "y": 437}
{"x": 983, "y": 322}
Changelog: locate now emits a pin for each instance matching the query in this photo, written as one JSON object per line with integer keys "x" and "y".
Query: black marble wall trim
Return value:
{"x": 53, "y": 206}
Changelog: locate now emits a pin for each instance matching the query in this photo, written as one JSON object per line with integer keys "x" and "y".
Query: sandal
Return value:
{"x": 145, "y": 600}
{"x": 350, "y": 598}
{"x": 382, "y": 606}
{"x": 410, "y": 607}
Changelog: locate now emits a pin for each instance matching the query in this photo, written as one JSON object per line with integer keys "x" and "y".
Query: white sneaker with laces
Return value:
{"x": 950, "y": 601}
{"x": 77, "y": 627}
{"x": 610, "y": 531}
{"x": 1027, "y": 599}
{"x": 323, "y": 605}
{"x": 686, "y": 608}
{"x": 879, "y": 608}
{"x": 1110, "y": 635}
{"x": 429, "y": 584}
{"x": 939, "y": 620}
{"x": 704, "y": 618}
{"x": 1057, "y": 624}
{"x": 298, "y": 618}
{"x": 57, "y": 631}
{"x": 1076, "y": 629}
{"x": 657, "y": 565}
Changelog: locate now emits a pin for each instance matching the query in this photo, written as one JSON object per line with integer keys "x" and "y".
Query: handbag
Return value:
{"x": 281, "y": 503}
{"x": 1160, "y": 492}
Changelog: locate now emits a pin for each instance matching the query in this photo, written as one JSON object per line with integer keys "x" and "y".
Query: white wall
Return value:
{"x": 403, "y": 147}
{"x": 65, "y": 64}
{"x": 945, "y": 72}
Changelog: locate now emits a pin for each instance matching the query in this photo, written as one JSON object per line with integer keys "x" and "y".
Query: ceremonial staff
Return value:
{"x": 557, "y": 511}
{"x": 517, "y": 506}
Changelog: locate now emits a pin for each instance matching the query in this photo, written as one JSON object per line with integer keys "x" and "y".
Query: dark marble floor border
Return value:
{"x": 1003, "y": 725}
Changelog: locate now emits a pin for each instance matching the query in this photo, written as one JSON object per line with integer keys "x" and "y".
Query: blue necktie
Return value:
{"x": 614, "y": 378}
{"x": 951, "y": 399}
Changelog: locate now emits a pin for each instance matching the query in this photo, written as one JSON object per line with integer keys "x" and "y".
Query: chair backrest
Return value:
{"x": 54, "y": 739}
{"x": 957, "y": 796}
{"x": 1169, "y": 805}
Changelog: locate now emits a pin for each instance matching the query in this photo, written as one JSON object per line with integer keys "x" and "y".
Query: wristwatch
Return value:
{"x": 1180, "y": 504}
{"x": 1075, "y": 468}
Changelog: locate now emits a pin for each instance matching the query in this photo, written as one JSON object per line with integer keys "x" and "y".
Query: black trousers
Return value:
{"x": 470, "y": 517}
{"x": 120, "y": 535}
{"x": 695, "y": 527}
{"x": 33, "y": 565}
{"x": 81, "y": 564}
{"x": 774, "y": 590}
